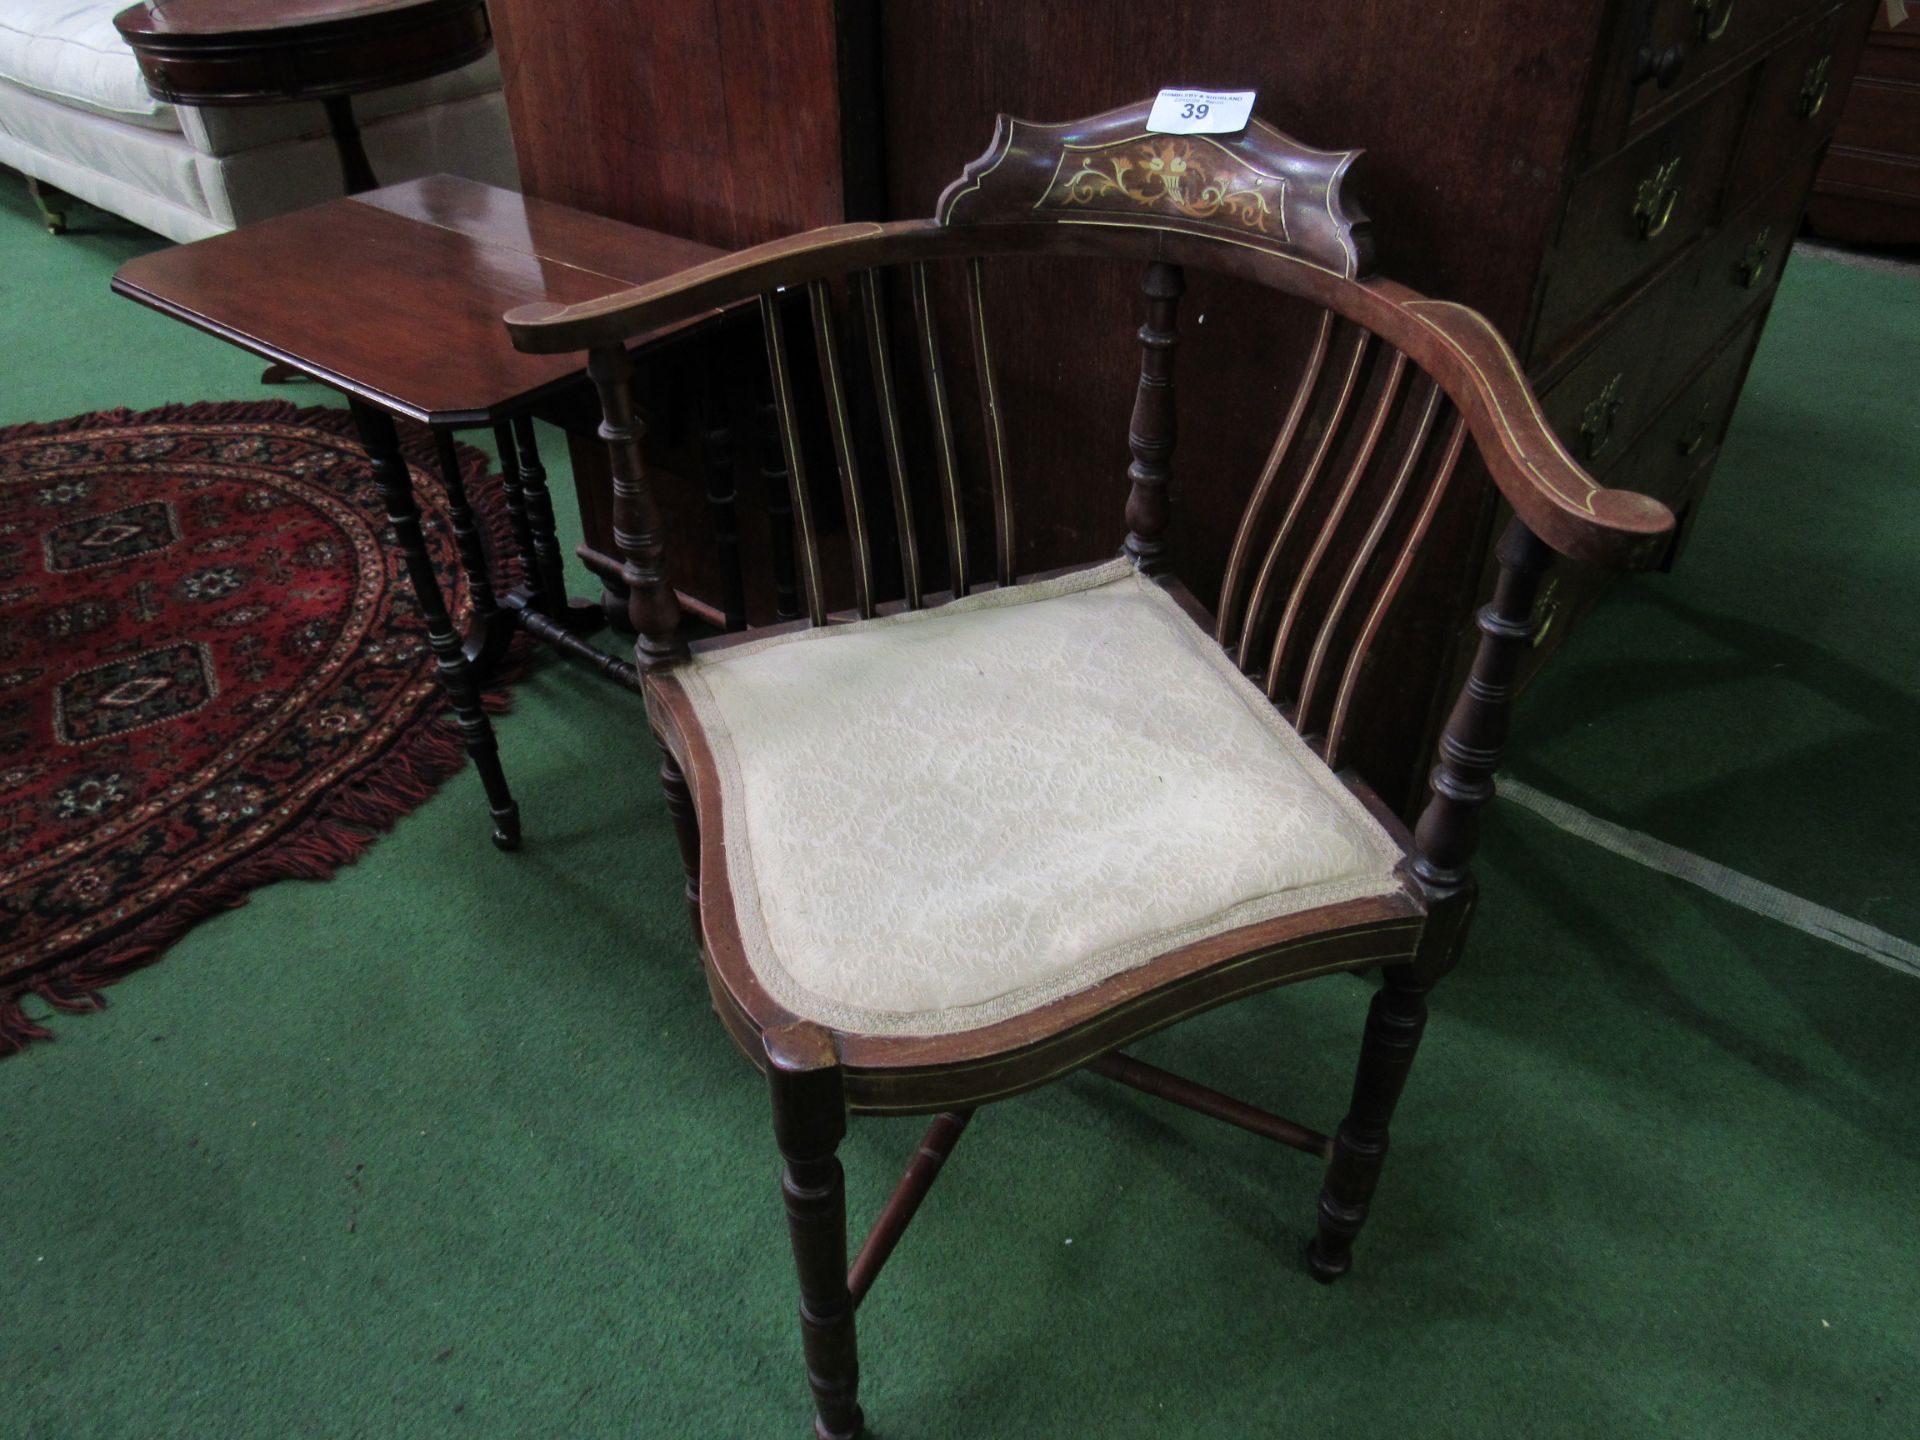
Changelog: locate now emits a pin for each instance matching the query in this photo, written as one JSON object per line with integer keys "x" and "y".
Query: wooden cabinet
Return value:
{"x": 1614, "y": 184}
{"x": 1868, "y": 189}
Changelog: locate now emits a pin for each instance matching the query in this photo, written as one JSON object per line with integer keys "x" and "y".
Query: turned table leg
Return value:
{"x": 542, "y": 554}
{"x": 492, "y": 628}
{"x": 455, "y": 672}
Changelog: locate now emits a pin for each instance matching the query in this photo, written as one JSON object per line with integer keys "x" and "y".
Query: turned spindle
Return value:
{"x": 652, "y": 606}
{"x": 1151, "y": 433}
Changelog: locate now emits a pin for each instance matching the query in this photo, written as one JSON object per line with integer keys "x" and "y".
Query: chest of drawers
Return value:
{"x": 1704, "y": 128}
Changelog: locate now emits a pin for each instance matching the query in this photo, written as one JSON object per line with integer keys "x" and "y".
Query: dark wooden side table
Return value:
{"x": 394, "y": 297}
{"x": 253, "y": 52}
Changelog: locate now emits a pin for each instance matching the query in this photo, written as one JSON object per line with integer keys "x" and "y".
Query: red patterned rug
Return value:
{"x": 212, "y": 675}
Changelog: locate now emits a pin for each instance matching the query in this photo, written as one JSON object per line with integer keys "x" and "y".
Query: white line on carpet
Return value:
{"x": 1730, "y": 885}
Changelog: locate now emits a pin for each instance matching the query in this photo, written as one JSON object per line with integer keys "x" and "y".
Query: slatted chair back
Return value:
{"x": 1393, "y": 393}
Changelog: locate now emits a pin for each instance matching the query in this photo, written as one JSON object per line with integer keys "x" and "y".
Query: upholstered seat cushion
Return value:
{"x": 941, "y": 819}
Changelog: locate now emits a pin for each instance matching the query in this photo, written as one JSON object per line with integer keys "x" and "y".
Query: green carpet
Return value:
{"x": 451, "y": 1146}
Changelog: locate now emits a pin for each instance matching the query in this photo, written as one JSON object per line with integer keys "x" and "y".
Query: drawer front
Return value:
{"x": 1670, "y": 51}
{"x": 1797, "y": 99}
{"x": 1892, "y": 54}
{"x": 1882, "y": 117}
{"x": 1735, "y": 268}
{"x": 1686, "y": 434}
{"x": 1601, "y": 403}
{"x": 1634, "y": 211}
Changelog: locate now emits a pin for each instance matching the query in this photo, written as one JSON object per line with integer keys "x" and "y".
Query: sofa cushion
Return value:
{"x": 68, "y": 50}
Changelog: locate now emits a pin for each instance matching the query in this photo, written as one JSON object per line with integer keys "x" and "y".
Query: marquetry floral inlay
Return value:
{"x": 1161, "y": 173}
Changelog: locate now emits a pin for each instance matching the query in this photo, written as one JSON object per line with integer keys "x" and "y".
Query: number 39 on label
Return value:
{"x": 1200, "y": 112}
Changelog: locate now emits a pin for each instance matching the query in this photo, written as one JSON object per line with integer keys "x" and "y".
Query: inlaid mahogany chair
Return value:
{"x": 964, "y": 838}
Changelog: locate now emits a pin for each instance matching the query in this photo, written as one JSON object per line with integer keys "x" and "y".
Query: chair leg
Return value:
{"x": 686, "y": 828}
{"x": 1394, "y": 1022}
{"x": 809, "y": 1119}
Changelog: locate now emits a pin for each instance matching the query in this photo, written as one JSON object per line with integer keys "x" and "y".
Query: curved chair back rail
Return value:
{"x": 1452, "y": 344}
{"x": 1363, "y": 454}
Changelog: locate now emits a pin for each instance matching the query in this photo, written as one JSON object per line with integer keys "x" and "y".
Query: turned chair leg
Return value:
{"x": 1394, "y": 1022}
{"x": 686, "y": 829}
{"x": 809, "y": 1119}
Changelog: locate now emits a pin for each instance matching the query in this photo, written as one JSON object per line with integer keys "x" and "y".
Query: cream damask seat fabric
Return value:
{"x": 940, "y": 819}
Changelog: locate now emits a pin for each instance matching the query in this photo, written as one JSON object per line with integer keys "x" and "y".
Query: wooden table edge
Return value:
{"x": 461, "y": 419}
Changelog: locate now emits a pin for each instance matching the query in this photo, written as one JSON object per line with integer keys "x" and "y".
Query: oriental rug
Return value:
{"x": 212, "y": 675}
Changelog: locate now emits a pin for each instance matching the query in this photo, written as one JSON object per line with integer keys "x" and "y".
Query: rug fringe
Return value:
{"x": 347, "y": 818}
{"x": 342, "y": 827}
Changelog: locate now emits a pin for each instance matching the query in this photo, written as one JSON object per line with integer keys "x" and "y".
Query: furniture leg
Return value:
{"x": 52, "y": 205}
{"x": 356, "y": 171}
{"x": 537, "y": 501}
{"x": 382, "y": 444}
{"x": 492, "y": 627}
{"x": 1394, "y": 1023}
{"x": 532, "y": 595}
{"x": 686, "y": 828}
{"x": 809, "y": 1119}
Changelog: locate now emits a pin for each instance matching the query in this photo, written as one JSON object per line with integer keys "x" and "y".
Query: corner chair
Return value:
{"x": 958, "y": 830}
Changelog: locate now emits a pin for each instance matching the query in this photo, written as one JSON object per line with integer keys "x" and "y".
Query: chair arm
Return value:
{"x": 548, "y": 328}
{"x": 1552, "y": 495}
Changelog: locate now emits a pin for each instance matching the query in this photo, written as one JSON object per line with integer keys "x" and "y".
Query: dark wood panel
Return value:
{"x": 1426, "y": 169}
{"x": 717, "y": 122}
{"x": 1429, "y": 143}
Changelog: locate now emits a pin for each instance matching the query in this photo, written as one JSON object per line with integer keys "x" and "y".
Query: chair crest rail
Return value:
{"x": 1254, "y": 187}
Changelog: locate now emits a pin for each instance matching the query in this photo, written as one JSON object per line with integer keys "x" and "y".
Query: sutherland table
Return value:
{"x": 395, "y": 297}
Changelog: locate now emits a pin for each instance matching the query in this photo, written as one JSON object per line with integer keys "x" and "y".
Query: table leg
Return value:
{"x": 543, "y": 554}
{"x": 355, "y": 169}
{"x": 382, "y": 444}
{"x": 492, "y": 628}
{"x": 529, "y": 591}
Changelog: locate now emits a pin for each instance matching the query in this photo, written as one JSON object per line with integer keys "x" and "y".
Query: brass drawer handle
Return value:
{"x": 1545, "y": 611}
{"x": 1813, "y": 88}
{"x": 1654, "y": 200}
{"x": 1711, "y": 17}
{"x": 1596, "y": 421}
{"x": 1695, "y": 435}
{"x": 1753, "y": 265}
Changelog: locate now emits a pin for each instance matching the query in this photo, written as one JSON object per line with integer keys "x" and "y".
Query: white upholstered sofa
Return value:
{"x": 76, "y": 115}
